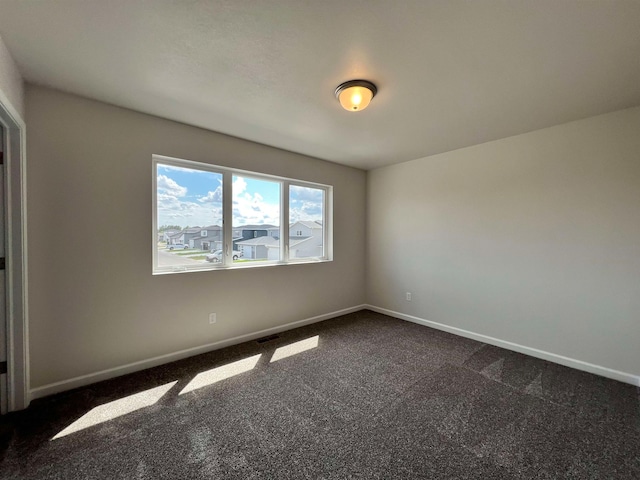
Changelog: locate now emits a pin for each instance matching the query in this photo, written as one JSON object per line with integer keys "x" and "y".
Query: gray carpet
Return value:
{"x": 376, "y": 398}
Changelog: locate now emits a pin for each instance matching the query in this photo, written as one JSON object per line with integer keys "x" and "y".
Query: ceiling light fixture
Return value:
{"x": 355, "y": 95}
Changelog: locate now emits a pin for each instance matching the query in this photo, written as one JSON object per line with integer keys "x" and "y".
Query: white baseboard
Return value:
{"x": 534, "y": 352}
{"x": 88, "y": 379}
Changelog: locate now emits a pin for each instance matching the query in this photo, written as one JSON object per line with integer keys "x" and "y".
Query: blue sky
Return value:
{"x": 189, "y": 197}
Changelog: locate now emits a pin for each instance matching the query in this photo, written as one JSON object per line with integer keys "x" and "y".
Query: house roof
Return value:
{"x": 450, "y": 73}
{"x": 255, "y": 227}
{"x": 260, "y": 241}
{"x": 295, "y": 243}
{"x": 307, "y": 224}
{"x": 292, "y": 242}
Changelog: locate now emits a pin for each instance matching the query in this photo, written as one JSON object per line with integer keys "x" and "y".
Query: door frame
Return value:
{"x": 16, "y": 255}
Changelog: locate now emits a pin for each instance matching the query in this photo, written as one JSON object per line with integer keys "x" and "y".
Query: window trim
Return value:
{"x": 227, "y": 217}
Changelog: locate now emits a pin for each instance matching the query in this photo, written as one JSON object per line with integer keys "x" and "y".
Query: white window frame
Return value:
{"x": 227, "y": 218}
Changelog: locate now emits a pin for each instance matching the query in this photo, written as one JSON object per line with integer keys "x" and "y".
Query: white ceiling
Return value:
{"x": 450, "y": 73}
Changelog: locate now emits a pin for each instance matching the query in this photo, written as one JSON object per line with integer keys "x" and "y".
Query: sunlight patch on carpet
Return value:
{"x": 294, "y": 348}
{"x": 117, "y": 408}
{"x": 218, "y": 374}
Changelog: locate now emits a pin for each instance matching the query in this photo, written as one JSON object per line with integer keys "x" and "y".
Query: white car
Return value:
{"x": 219, "y": 254}
{"x": 177, "y": 246}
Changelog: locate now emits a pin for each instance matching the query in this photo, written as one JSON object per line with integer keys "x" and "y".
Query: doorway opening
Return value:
{"x": 14, "y": 379}
{"x": 4, "y": 344}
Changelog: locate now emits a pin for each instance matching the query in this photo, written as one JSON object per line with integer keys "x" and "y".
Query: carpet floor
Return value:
{"x": 359, "y": 396}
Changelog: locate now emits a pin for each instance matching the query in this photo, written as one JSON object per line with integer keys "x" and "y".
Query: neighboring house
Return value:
{"x": 172, "y": 238}
{"x": 253, "y": 231}
{"x": 210, "y": 238}
{"x": 256, "y": 242}
{"x": 257, "y": 248}
{"x": 185, "y": 236}
{"x": 298, "y": 248}
{"x": 204, "y": 238}
{"x": 305, "y": 229}
{"x": 166, "y": 235}
{"x": 247, "y": 232}
{"x": 309, "y": 247}
{"x": 274, "y": 232}
{"x": 305, "y": 241}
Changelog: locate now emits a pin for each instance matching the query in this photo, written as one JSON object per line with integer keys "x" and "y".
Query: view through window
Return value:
{"x": 189, "y": 215}
{"x": 256, "y": 219}
{"x": 306, "y": 222}
{"x": 210, "y": 217}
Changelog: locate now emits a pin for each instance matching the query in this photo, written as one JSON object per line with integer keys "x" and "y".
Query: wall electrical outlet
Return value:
{"x": 212, "y": 318}
{"x": 408, "y": 296}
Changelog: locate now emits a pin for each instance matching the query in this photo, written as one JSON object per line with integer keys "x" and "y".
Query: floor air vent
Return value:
{"x": 267, "y": 339}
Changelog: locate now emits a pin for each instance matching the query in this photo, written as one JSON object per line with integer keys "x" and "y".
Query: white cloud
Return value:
{"x": 252, "y": 209}
{"x": 248, "y": 207}
{"x": 305, "y": 203}
{"x": 239, "y": 186}
{"x": 307, "y": 213}
{"x": 168, "y": 186}
{"x": 212, "y": 197}
{"x": 188, "y": 213}
{"x": 171, "y": 210}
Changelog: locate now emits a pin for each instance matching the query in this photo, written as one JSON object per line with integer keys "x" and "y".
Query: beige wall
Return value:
{"x": 93, "y": 302}
{"x": 11, "y": 86}
{"x": 533, "y": 239}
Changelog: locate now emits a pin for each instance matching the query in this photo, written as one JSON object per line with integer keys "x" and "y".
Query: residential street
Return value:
{"x": 166, "y": 258}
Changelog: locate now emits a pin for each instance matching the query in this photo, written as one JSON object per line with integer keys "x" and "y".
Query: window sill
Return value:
{"x": 238, "y": 266}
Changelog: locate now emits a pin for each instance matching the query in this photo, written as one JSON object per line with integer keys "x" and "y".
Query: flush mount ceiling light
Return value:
{"x": 355, "y": 95}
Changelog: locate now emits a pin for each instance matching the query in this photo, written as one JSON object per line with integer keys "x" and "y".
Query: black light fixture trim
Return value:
{"x": 356, "y": 83}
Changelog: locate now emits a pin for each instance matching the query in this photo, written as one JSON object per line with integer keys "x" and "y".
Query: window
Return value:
{"x": 256, "y": 208}
{"x": 306, "y": 216}
{"x": 257, "y": 219}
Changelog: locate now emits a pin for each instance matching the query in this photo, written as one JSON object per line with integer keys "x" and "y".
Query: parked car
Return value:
{"x": 177, "y": 246}
{"x": 218, "y": 254}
